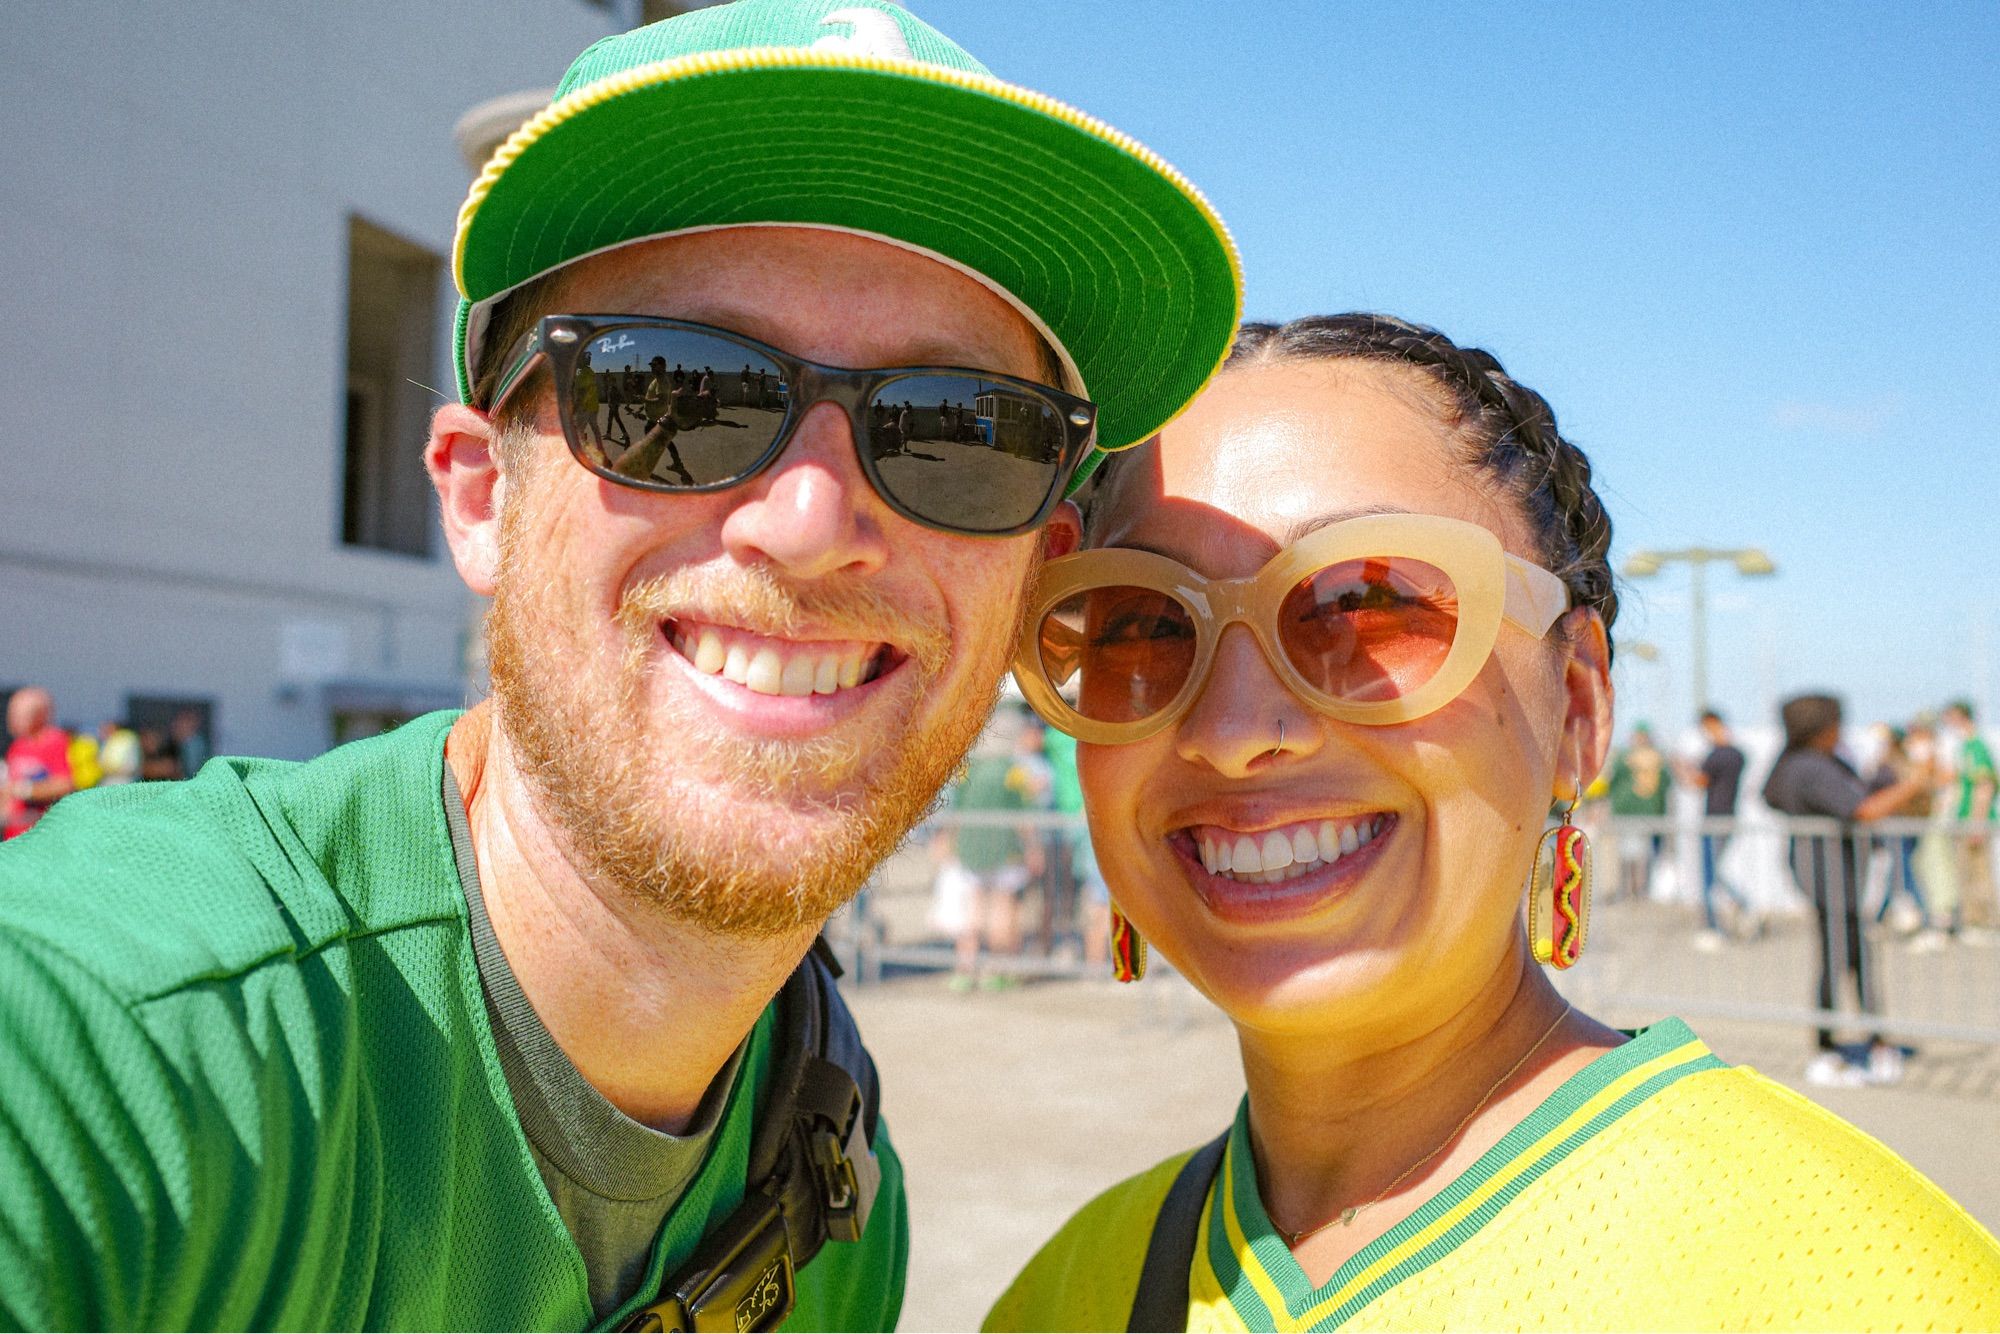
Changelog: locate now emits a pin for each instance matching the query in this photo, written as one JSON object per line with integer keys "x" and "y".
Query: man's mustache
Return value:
{"x": 755, "y": 599}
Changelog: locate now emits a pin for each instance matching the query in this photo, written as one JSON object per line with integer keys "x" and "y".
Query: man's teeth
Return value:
{"x": 1283, "y": 854}
{"x": 769, "y": 671}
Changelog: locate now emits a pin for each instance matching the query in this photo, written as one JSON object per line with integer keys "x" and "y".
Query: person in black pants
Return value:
{"x": 1719, "y": 777}
{"x": 1810, "y": 780}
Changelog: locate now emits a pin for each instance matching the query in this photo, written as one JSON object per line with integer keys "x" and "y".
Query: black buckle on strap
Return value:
{"x": 740, "y": 1280}
{"x": 843, "y": 1163}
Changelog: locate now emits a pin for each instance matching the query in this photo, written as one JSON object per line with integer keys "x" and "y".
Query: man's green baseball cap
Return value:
{"x": 855, "y": 115}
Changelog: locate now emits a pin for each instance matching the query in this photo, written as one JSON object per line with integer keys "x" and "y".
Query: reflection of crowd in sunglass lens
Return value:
{"x": 991, "y": 458}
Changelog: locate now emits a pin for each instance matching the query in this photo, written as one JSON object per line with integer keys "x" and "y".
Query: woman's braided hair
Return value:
{"x": 1508, "y": 429}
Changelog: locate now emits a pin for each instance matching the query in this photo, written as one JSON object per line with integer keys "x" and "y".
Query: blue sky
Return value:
{"x": 1749, "y": 253}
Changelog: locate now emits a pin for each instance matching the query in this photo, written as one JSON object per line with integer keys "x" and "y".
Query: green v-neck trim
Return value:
{"x": 1236, "y": 1202}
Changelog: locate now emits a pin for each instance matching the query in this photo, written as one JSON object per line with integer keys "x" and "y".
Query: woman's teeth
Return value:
{"x": 769, "y": 670}
{"x": 1283, "y": 854}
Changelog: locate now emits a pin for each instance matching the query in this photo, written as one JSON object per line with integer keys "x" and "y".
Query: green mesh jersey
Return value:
{"x": 247, "y": 1079}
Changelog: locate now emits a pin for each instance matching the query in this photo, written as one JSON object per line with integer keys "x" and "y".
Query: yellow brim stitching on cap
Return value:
{"x": 785, "y": 57}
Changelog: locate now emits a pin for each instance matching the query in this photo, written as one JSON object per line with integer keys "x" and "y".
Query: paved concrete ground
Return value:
{"x": 1012, "y": 1109}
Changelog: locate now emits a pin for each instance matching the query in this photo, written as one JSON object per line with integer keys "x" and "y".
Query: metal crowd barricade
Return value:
{"x": 892, "y": 921}
{"x": 1921, "y": 966}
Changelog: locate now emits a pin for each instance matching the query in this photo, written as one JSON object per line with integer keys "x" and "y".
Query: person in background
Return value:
{"x": 1937, "y": 850}
{"x": 1900, "y": 849}
{"x": 1092, "y": 905}
{"x": 38, "y": 772}
{"x": 118, "y": 753}
{"x": 159, "y": 757}
{"x": 589, "y": 406}
{"x": 1000, "y": 857}
{"x": 191, "y": 741}
{"x": 1035, "y": 776}
{"x": 1640, "y": 782}
{"x": 1720, "y": 777}
{"x": 85, "y": 770}
{"x": 1811, "y": 781}
{"x": 1976, "y": 792}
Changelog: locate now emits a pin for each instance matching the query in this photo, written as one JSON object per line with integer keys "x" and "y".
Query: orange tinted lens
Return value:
{"x": 1128, "y": 650}
{"x": 1374, "y": 629}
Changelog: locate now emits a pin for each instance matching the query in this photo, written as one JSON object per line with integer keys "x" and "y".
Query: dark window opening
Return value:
{"x": 392, "y": 328}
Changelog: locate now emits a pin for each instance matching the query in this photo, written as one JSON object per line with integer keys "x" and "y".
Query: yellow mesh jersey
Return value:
{"x": 1657, "y": 1188}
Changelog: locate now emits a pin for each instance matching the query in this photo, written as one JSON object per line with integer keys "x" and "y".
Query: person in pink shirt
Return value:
{"x": 37, "y": 761}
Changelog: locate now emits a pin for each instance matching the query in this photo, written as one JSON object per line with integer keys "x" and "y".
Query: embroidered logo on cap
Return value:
{"x": 872, "y": 33}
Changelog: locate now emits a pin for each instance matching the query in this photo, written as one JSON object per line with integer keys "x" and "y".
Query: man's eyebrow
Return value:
{"x": 931, "y": 352}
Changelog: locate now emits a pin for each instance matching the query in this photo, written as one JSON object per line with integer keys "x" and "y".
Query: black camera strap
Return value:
{"x": 813, "y": 1173}
{"x": 1162, "y": 1298}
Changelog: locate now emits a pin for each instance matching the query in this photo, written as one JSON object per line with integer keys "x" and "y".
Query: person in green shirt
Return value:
{"x": 1977, "y": 783}
{"x": 1640, "y": 781}
{"x": 488, "y": 1022}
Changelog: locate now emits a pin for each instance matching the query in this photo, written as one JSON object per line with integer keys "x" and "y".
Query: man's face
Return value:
{"x": 734, "y": 704}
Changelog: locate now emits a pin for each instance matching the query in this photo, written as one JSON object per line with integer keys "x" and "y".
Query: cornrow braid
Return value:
{"x": 1509, "y": 432}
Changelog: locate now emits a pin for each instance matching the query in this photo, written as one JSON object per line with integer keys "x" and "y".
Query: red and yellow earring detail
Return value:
{"x": 1128, "y": 949}
{"x": 1560, "y": 887}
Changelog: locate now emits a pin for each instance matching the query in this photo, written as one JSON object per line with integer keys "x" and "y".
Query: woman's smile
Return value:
{"x": 1252, "y": 875}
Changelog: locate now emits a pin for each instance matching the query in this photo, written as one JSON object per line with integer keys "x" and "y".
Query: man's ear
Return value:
{"x": 1587, "y": 687}
{"x": 1063, "y": 532}
{"x": 459, "y": 457}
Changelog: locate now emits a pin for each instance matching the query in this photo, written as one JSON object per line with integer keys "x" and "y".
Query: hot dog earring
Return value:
{"x": 1560, "y": 888}
{"x": 1128, "y": 949}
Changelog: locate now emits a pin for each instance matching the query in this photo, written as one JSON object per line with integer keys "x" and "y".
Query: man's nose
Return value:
{"x": 812, "y": 513}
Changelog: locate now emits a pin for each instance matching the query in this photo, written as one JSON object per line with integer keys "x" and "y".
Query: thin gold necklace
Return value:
{"x": 1348, "y": 1215}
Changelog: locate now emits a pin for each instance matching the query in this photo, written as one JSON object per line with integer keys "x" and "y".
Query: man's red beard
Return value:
{"x": 678, "y": 813}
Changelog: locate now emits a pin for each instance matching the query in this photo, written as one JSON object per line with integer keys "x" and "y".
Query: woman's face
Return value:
{"x": 1407, "y": 927}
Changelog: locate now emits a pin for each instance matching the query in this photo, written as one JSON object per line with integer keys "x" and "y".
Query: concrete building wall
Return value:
{"x": 176, "y": 183}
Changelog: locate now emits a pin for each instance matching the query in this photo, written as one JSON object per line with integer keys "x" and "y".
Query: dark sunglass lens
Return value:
{"x": 1367, "y": 630}
{"x": 963, "y": 451}
{"x": 674, "y": 407}
{"x": 1132, "y": 649}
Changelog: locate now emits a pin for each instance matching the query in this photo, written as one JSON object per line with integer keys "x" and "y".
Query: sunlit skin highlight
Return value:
{"x": 1378, "y": 995}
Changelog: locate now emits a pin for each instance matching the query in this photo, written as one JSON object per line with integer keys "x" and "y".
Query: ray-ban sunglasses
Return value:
{"x": 673, "y": 406}
{"x": 1377, "y": 619}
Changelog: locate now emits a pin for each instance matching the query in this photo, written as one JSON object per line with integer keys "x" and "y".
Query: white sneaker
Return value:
{"x": 1928, "y": 941}
{"x": 1710, "y": 941}
{"x": 1830, "y": 1069}
{"x": 1885, "y": 1064}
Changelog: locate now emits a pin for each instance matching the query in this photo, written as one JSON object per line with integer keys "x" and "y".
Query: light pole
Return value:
{"x": 1644, "y": 687}
{"x": 1749, "y": 561}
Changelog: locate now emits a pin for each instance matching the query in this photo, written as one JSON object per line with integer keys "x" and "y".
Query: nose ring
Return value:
{"x": 1281, "y": 738}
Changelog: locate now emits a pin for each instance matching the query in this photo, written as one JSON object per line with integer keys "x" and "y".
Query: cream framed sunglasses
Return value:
{"x": 1377, "y": 619}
